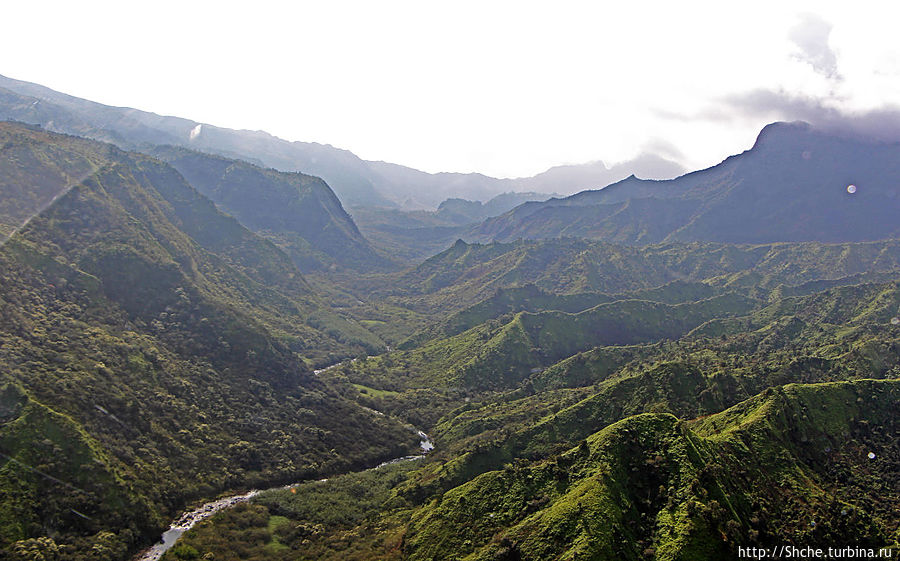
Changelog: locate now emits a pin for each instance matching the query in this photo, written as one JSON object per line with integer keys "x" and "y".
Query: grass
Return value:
{"x": 275, "y": 522}
{"x": 373, "y": 392}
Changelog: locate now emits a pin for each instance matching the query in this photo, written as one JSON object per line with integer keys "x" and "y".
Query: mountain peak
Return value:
{"x": 773, "y": 132}
{"x": 791, "y": 186}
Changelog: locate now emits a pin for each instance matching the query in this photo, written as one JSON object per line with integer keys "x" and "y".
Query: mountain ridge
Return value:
{"x": 792, "y": 185}
{"x": 358, "y": 182}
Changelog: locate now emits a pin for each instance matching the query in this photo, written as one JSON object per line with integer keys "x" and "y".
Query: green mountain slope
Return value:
{"x": 151, "y": 355}
{"x": 212, "y": 249}
{"x": 502, "y": 354}
{"x": 835, "y": 334}
{"x": 510, "y": 479}
{"x": 815, "y": 463}
{"x": 789, "y": 462}
{"x": 32, "y": 179}
{"x": 467, "y": 274}
{"x": 297, "y": 212}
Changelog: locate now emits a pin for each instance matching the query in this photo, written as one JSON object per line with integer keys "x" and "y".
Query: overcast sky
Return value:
{"x": 504, "y": 88}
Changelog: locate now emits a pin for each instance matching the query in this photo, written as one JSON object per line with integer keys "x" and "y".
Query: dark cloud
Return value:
{"x": 881, "y": 124}
{"x": 811, "y": 37}
{"x": 773, "y": 105}
{"x": 770, "y": 105}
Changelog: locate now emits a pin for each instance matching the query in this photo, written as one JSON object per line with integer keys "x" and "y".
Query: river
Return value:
{"x": 187, "y": 520}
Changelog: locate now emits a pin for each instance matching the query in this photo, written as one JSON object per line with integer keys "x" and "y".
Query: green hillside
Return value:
{"x": 792, "y": 461}
{"x": 814, "y": 462}
{"x": 467, "y": 274}
{"x": 297, "y": 212}
{"x": 837, "y": 335}
{"x": 149, "y": 213}
{"x": 152, "y": 354}
{"x": 501, "y": 354}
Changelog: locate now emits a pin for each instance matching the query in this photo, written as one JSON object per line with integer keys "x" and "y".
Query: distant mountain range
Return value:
{"x": 793, "y": 185}
{"x": 356, "y": 182}
{"x": 414, "y": 189}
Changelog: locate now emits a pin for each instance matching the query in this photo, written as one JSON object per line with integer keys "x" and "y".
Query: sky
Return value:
{"x": 503, "y": 88}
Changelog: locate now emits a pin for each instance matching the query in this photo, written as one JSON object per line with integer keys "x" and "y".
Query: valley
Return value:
{"x": 650, "y": 369}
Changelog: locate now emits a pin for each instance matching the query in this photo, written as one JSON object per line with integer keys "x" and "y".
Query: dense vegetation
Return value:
{"x": 153, "y": 354}
{"x": 817, "y": 463}
{"x": 297, "y": 212}
{"x": 728, "y": 377}
{"x": 584, "y": 456}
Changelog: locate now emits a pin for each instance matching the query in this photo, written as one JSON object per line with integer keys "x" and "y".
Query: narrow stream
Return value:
{"x": 187, "y": 520}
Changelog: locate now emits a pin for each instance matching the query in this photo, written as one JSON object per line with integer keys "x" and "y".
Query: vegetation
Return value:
{"x": 586, "y": 457}
{"x": 587, "y": 399}
{"x": 155, "y": 361}
{"x": 815, "y": 462}
{"x": 466, "y": 274}
{"x": 298, "y": 213}
{"x": 321, "y": 517}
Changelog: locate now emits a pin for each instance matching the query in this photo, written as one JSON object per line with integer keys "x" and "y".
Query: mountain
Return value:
{"x": 413, "y": 189}
{"x": 132, "y": 129}
{"x": 462, "y": 211}
{"x": 502, "y": 354}
{"x": 416, "y": 190}
{"x": 467, "y": 274}
{"x": 821, "y": 337}
{"x": 500, "y": 314}
{"x": 574, "y": 178}
{"x": 503, "y": 313}
{"x": 297, "y": 212}
{"x": 414, "y": 235}
{"x": 679, "y": 451}
{"x": 723, "y": 376}
{"x": 358, "y": 183}
{"x": 153, "y": 354}
{"x": 792, "y": 185}
{"x": 791, "y": 461}
{"x": 267, "y": 284}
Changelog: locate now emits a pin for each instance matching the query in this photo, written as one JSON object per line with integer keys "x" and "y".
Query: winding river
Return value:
{"x": 187, "y": 520}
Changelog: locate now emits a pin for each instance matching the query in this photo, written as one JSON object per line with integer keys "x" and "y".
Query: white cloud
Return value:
{"x": 506, "y": 88}
{"x": 810, "y": 35}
